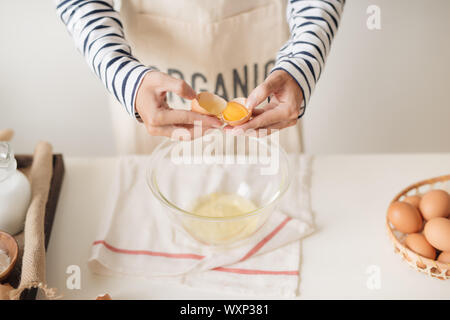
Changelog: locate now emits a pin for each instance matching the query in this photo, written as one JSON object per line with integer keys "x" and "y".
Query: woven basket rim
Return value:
{"x": 397, "y": 242}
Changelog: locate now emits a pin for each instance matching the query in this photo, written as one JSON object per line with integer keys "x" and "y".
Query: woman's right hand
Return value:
{"x": 158, "y": 117}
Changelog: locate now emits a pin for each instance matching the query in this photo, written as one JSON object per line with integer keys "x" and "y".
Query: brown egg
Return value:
{"x": 414, "y": 200}
{"x": 437, "y": 232}
{"x": 444, "y": 257}
{"x": 435, "y": 203}
{"x": 417, "y": 243}
{"x": 105, "y": 296}
{"x": 405, "y": 217}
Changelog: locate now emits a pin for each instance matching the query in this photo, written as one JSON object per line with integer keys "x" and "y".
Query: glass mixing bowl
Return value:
{"x": 224, "y": 173}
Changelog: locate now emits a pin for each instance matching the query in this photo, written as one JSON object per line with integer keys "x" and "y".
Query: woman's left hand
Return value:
{"x": 283, "y": 109}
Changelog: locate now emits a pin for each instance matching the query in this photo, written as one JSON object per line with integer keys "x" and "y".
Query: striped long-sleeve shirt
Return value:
{"x": 98, "y": 33}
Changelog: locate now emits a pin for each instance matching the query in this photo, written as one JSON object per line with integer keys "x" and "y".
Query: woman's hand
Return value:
{"x": 158, "y": 117}
{"x": 286, "y": 98}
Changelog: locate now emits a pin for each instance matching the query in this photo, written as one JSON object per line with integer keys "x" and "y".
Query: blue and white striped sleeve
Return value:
{"x": 98, "y": 34}
{"x": 313, "y": 24}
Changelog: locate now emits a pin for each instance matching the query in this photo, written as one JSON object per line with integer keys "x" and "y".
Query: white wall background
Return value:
{"x": 383, "y": 91}
{"x": 386, "y": 90}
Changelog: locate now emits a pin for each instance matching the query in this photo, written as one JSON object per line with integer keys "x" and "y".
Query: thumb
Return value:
{"x": 179, "y": 87}
{"x": 259, "y": 94}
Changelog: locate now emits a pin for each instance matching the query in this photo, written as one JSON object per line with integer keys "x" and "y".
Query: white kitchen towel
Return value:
{"x": 137, "y": 237}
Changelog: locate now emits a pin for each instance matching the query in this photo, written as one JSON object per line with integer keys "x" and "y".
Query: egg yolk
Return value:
{"x": 234, "y": 111}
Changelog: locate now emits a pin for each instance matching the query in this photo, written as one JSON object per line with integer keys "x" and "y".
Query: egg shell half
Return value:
{"x": 417, "y": 243}
{"x": 208, "y": 103}
{"x": 435, "y": 203}
{"x": 437, "y": 232}
{"x": 405, "y": 217}
{"x": 242, "y": 102}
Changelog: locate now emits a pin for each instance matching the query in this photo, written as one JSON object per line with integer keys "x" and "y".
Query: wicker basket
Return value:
{"x": 433, "y": 268}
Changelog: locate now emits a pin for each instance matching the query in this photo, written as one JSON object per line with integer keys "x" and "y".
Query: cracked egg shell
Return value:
{"x": 208, "y": 103}
{"x": 236, "y": 113}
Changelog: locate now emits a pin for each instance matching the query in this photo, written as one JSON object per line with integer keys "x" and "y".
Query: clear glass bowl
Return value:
{"x": 182, "y": 173}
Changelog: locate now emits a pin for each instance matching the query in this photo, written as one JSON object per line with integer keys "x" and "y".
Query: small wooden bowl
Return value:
{"x": 9, "y": 245}
{"x": 430, "y": 267}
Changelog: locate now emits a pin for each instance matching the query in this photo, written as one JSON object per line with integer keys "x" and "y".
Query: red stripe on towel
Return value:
{"x": 149, "y": 253}
{"x": 266, "y": 239}
{"x": 193, "y": 256}
{"x": 250, "y": 271}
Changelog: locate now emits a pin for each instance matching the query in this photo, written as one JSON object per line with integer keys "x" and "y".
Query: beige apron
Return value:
{"x": 223, "y": 46}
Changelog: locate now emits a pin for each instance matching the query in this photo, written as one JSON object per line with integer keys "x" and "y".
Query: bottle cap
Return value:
{"x": 8, "y": 163}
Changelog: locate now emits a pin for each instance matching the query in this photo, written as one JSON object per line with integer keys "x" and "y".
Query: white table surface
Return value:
{"x": 350, "y": 195}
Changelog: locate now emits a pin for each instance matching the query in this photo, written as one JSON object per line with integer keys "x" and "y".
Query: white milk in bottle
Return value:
{"x": 15, "y": 192}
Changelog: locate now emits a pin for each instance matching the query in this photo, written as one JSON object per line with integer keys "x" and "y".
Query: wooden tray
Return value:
{"x": 24, "y": 161}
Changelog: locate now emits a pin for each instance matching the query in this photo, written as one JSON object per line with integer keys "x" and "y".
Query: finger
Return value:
{"x": 256, "y": 112}
{"x": 261, "y": 132}
{"x": 281, "y": 124}
{"x": 177, "y": 86}
{"x": 269, "y": 106}
{"x": 267, "y": 118}
{"x": 171, "y": 116}
{"x": 259, "y": 94}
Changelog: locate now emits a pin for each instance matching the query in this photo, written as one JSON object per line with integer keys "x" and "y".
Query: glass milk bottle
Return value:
{"x": 15, "y": 192}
